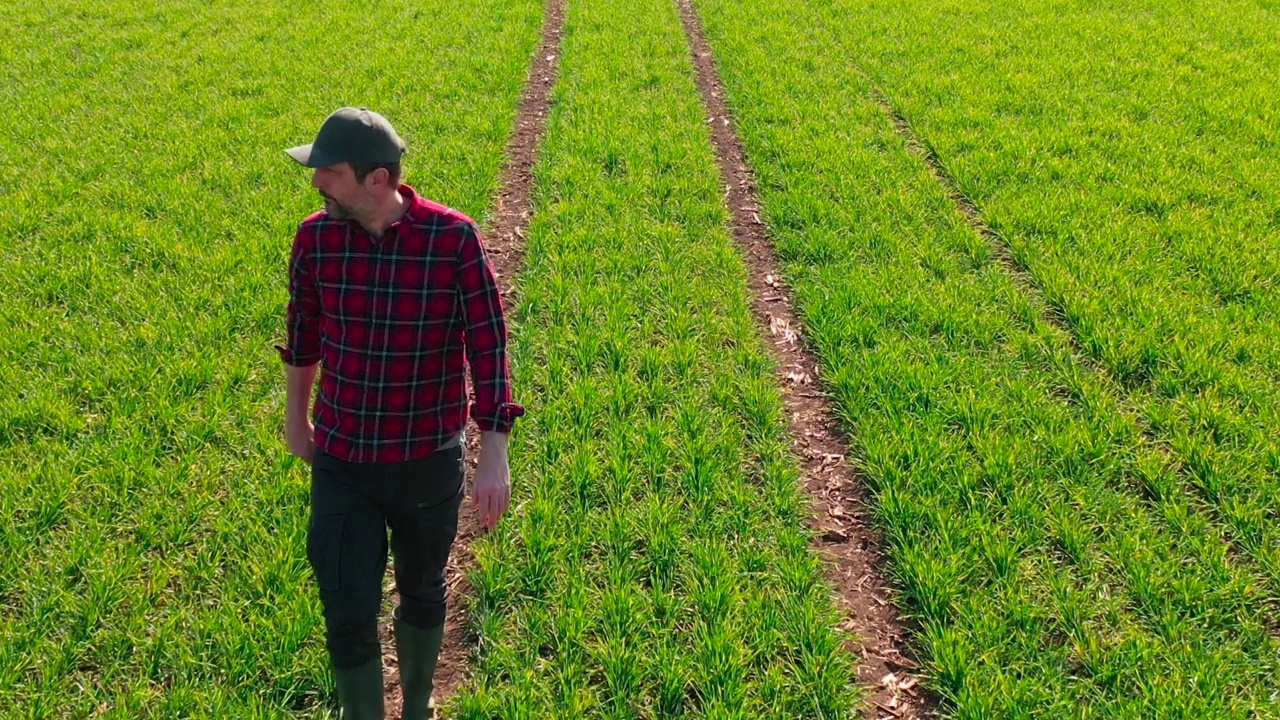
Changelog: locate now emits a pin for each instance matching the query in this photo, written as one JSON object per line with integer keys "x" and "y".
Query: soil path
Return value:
{"x": 504, "y": 242}
{"x": 841, "y": 515}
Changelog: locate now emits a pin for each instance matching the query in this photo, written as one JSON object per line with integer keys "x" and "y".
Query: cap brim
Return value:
{"x": 305, "y": 156}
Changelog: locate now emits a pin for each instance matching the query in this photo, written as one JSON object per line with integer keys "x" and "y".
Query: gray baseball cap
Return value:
{"x": 351, "y": 135}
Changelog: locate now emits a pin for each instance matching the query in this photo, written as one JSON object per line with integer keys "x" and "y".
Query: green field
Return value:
{"x": 1073, "y": 463}
{"x": 660, "y": 563}
{"x": 1042, "y": 541}
{"x": 1126, "y": 152}
{"x": 152, "y": 560}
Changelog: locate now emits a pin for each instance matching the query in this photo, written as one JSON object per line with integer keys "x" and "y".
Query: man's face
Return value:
{"x": 343, "y": 196}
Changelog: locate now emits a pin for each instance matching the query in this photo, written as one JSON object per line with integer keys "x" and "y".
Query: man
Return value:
{"x": 392, "y": 296}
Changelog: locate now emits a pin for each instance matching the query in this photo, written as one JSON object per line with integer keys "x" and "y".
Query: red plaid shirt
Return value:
{"x": 389, "y": 319}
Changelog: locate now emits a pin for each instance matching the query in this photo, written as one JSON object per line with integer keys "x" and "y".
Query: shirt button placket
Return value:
{"x": 387, "y": 250}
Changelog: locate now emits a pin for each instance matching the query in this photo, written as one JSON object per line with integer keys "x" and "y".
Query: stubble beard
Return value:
{"x": 335, "y": 209}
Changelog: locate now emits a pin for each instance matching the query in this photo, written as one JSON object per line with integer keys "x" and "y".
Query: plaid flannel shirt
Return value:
{"x": 389, "y": 319}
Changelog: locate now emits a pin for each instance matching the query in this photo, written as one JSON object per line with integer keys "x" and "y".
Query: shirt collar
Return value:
{"x": 412, "y": 213}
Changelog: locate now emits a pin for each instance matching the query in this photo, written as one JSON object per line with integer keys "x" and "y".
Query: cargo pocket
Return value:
{"x": 324, "y": 549}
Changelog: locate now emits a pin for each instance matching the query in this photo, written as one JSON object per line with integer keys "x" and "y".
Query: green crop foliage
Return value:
{"x": 1125, "y": 151}
{"x": 1077, "y": 482}
{"x": 659, "y": 561}
{"x": 1046, "y": 549}
{"x": 152, "y": 554}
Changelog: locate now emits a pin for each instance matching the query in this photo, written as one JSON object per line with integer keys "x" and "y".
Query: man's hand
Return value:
{"x": 300, "y": 434}
{"x": 491, "y": 489}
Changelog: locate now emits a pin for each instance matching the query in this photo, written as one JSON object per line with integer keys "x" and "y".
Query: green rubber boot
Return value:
{"x": 418, "y": 650}
{"x": 360, "y": 691}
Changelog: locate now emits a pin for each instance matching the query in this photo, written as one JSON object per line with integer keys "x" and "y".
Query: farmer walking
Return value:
{"x": 391, "y": 296}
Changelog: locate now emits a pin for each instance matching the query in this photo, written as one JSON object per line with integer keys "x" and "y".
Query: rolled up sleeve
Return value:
{"x": 303, "y": 316}
{"x": 486, "y": 333}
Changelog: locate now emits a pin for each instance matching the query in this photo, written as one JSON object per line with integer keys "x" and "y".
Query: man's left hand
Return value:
{"x": 491, "y": 489}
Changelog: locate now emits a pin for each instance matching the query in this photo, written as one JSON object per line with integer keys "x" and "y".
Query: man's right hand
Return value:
{"x": 301, "y": 436}
{"x": 299, "y": 433}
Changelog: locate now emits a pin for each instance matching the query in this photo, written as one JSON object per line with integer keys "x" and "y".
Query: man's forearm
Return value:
{"x": 493, "y": 441}
{"x": 298, "y": 389}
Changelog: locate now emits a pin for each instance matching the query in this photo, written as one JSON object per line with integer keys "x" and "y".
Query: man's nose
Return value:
{"x": 315, "y": 179}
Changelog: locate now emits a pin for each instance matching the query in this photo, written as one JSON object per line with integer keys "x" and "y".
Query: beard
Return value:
{"x": 335, "y": 209}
